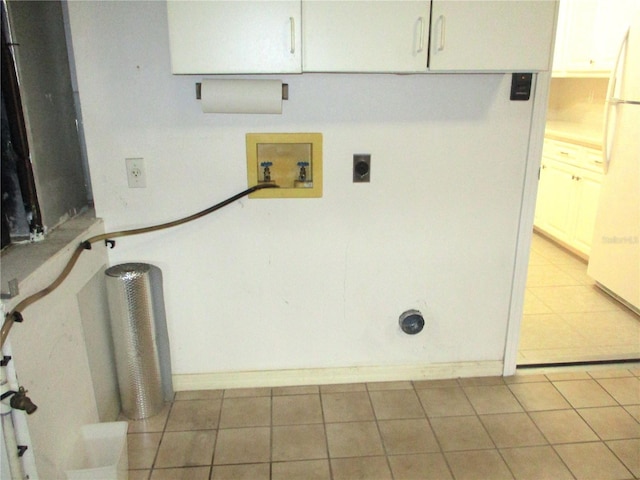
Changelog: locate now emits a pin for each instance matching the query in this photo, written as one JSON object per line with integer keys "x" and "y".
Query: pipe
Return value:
{"x": 15, "y": 315}
{"x": 8, "y": 430}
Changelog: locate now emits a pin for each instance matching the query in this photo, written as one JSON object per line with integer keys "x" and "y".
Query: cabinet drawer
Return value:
{"x": 561, "y": 151}
{"x": 593, "y": 160}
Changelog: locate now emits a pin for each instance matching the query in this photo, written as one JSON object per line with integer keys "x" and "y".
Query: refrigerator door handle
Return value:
{"x": 610, "y": 104}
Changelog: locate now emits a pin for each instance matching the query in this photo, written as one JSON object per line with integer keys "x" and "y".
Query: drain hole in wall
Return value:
{"x": 411, "y": 322}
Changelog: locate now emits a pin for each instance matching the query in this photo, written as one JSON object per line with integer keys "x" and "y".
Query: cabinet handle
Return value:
{"x": 421, "y": 42}
{"x": 564, "y": 153}
{"x": 443, "y": 26}
{"x": 292, "y": 34}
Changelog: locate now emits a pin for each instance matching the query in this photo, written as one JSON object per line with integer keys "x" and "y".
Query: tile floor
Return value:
{"x": 555, "y": 425}
{"x": 566, "y": 317}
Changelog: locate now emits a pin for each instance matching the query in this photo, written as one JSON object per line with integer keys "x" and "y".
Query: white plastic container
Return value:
{"x": 101, "y": 453}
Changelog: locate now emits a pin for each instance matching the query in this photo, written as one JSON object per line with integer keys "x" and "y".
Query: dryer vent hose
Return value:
{"x": 15, "y": 315}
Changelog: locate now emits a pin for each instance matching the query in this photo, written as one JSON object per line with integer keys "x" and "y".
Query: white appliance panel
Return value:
{"x": 615, "y": 253}
{"x": 614, "y": 261}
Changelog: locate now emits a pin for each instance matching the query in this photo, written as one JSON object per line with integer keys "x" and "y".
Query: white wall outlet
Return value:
{"x": 136, "y": 175}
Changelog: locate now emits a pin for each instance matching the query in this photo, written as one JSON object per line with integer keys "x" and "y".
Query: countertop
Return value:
{"x": 577, "y": 133}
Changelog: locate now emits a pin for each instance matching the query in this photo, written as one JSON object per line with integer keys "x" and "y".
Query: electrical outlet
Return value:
{"x": 136, "y": 175}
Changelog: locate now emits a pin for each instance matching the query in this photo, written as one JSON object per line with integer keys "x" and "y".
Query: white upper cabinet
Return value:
{"x": 365, "y": 36}
{"x": 589, "y": 34}
{"x": 218, "y": 36}
{"x": 399, "y": 36}
{"x": 491, "y": 35}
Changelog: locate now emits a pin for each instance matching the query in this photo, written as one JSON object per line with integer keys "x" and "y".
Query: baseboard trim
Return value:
{"x": 324, "y": 376}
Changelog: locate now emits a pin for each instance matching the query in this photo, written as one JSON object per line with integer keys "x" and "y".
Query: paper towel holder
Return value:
{"x": 285, "y": 91}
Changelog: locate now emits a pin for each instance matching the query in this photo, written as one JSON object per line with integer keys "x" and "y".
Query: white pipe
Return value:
{"x": 8, "y": 430}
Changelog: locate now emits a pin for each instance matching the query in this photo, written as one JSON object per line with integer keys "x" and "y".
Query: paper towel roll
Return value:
{"x": 241, "y": 96}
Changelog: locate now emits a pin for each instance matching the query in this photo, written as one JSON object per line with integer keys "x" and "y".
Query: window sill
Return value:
{"x": 21, "y": 261}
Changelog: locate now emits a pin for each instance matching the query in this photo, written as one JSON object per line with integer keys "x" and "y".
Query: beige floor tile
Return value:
{"x": 538, "y": 396}
{"x": 362, "y": 468}
{"x": 243, "y": 445}
{"x": 579, "y": 273}
{"x": 142, "y": 449}
{"x": 460, "y": 433}
{"x": 139, "y": 474}
{"x": 610, "y": 373}
{"x": 628, "y": 451}
{"x": 614, "y": 327}
{"x": 423, "y": 466}
{"x": 296, "y": 390}
{"x": 523, "y": 377}
{"x": 200, "y": 395}
{"x": 535, "y": 463}
{"x": 611, "y": 423}
{"x": 592, "y": 461}
{"x": 533, "y": 305}
{"x": 549, "y": 331}
{"x": 447, "y": 382}
{"x": 584, "y": 393}
{"x": 353, "y": 439}
{"x": 256, "y": 471}
{"x": 245, "y": 412}
{"x": 343, "y": 387}
{"x": 478, "y": 464}
{"x": 376, "y": 386}
{"x": 186, "y": 449}
{"x": 396, "y": 404}
{"x": 301, "y": 470}
{"x": 536, "y": 258}
{"x": 572, "y": 299}
{"x": 548, "y": 275}
{"x": 247, "y": 392}
{"x": 187, "y": 473}
{"x": 407, "y": 436}
{"x": 149, "y": 424}
{"x": 449, "y": 401}
{"x": 512, "y": 430}
{"x": 557, "y": 375}
{"x": 625, "y": 390}
{"x": 634, "y": 411}
{"x": 492, "y": 399}
{"x": 297, "y": 409}
{"x": 298, "y": 442}
{"x": 563, "y": 426}
{"x": 347, "y": 407}
{"x": 481, "y": 381}
{"x": 194, "y": 415}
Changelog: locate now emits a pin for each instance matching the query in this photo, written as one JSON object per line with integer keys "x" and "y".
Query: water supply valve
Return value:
{"x": 266, "y": 171}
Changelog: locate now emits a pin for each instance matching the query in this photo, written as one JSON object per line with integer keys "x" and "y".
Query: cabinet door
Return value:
{"x": 579, "y": 30}
{"x": 365, "y": 36}
{"x": 488, "y": 35}
{"x": 234, "y": 37}
{"x": 559, "y": 193}
{"x": 542, "y": 198}
{"x": 586, "y": 207}
{"x": 589, "y": 34}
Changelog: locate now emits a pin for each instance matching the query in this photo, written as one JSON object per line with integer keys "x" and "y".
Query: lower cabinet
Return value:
{"x": 568, "y": 195}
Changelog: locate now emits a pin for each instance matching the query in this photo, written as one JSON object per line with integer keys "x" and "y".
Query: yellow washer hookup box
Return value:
{"x": 293, "y": 161}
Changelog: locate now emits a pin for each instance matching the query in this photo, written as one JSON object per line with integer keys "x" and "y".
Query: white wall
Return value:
{"x": 70, "y": 385}
{"x": 309, "y": 283}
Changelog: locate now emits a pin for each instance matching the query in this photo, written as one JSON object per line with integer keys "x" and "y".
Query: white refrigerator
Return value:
{"x": 614, "y": 262}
